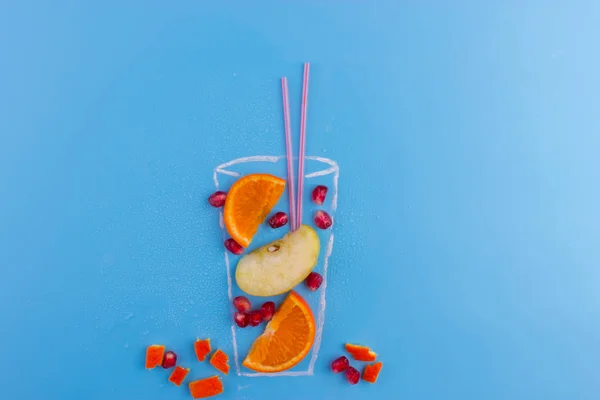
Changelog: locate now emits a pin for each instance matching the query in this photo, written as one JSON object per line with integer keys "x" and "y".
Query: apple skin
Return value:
{"x": 279, "y": 266}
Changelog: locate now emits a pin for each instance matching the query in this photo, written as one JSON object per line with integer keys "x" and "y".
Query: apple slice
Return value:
{"x": 279, "y": 266}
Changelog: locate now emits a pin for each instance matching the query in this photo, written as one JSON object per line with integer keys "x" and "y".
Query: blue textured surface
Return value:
{"x": 467, "y": 235}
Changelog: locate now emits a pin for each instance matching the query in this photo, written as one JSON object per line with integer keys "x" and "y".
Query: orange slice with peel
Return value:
{"x": 371, "y": 372}
{"x": 202, "y": 348}
{"x": 219, "y": 360}
{"x": 178, "y": 375}
{"x": 154, "y": 355}
{"x": 248, "y": 204}
{"x": 361, "y": 353}
{"x": 204, "y": 388}
{"x": 287, "y": 339}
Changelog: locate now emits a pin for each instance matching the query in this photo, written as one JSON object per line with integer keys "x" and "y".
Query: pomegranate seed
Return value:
{"x": 241, "y": 319}
{"x": 233, "y": 247}
{"x": 256, "y": 318}
{"x": 169, "y": 360}
{"x": 352, "y": 375}
{"x": 267, "y": 310}
{"x": 323, "y": 220}
{"x": 217, "y": 199}
{"x": 278, "y": 220}
{"x": 242, "y": 304}
{"x": 313, "y": 281}
{"x": 318, "y": 195}
{"x": 340, "y": 365}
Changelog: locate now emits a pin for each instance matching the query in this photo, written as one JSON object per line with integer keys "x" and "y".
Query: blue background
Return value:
{"x": 467, "y": 235}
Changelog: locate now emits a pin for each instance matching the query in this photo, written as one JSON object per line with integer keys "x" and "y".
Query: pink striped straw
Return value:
{"x": 302, "y": 141}
{"x": 288, "y": 151}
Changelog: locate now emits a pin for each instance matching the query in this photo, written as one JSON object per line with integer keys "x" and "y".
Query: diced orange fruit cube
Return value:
{"x": 219, "y": 360}
{"x": 154, "y": 355}
{"x": 361, "y": 353}
{"x": 202, "y": 349}
{"x": 178, "y": 375}
{"x": 208, "y": 387}
{"x": 371, "y": 372}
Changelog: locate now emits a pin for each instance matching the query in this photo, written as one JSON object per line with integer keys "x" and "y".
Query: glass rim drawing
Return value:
{"x": 332, "y": 169}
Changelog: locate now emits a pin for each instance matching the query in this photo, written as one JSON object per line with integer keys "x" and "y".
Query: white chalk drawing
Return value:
{"x": 331, "y": 168}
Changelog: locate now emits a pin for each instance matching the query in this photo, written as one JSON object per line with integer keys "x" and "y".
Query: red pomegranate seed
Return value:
{"x": 169, "y": 360}
{"x": 313, "y": 281}
{"x": 278, "y": 220}
{"x": 241, "y": 319}
{"x": 233, "y": 247}
{"x": 242, "y": 304}
{"x": 217, "y": 199}
{"x": 352, "y": 375}
{"x": 267, "y": 310}
{"x": 323, "y": 220}
{"x": 340, "y": 365}
{"x": 256, "y": 318}
{"x": 318, "y": 195}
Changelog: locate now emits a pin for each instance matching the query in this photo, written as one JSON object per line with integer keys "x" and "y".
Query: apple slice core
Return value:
{"x": 279, "y": 266}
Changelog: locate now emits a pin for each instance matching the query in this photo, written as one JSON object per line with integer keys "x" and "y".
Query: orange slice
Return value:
{"x": 287, "y": 338}
{"x": 219, "y": 360}
{"x": 361, "y": 353}
{"x": 248, "y": 203}
{"x": 178, "y": 375}
{"x": 371, "y": 372}
{"x": 154, "y": 355}
{"x": 202, "y": 348}
{"x": 208, "y": 387}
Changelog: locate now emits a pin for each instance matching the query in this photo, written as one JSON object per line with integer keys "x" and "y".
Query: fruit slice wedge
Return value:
{"x": 248, "y": 204}
{"x": 361, "y": 353}
{"x": 279, "y": 266}
{"x": 154, "y": 355}
{"x": 287, "y": 339}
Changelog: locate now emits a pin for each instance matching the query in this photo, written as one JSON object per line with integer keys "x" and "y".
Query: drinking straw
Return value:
{"x": 302, "y": 142}
{"x": 288, "y": 150}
